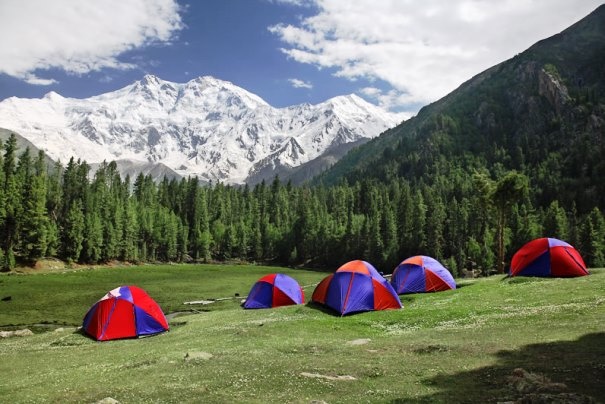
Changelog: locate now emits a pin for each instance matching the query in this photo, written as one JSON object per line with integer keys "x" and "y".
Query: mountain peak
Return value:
{"x": 150, "y": 79}
{"x": 225, "y": 90}
{"x": 210, "y": 80}
{"x": 206, "y": 127}
{"x": 52, "y": 95}
{"x": 353, "y": 99}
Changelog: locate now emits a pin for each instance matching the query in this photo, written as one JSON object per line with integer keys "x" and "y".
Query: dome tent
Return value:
{"x": 274, "y": 290}
{"x": 355, "y": 287}
{"x": 547, "y": 257}
{"x": 124, "y": 312}
{"x": 420, "y": 274}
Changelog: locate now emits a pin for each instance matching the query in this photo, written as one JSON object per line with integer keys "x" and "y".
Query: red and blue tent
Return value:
{"x": 355, "y": 287}
{"x": 547, "y": 257}
{"x": 274, "y": 290}
{"x": 124, "y": 312}
{"x": 420, "y": 274}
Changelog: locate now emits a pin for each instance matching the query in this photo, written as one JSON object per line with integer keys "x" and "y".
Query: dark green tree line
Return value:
{"x": 466, "y": 221}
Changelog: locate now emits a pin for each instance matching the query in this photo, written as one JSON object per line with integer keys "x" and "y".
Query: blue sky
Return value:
{"x": 399, "y": 54}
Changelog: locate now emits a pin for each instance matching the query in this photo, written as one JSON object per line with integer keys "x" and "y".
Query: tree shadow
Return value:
{"x": 560, "y": 372}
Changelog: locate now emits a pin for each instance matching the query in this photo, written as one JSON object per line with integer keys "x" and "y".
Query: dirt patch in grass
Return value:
{"x": 49, "y": 264}
{"x": 360, "y": 341}
{"x": 327, "y": 377}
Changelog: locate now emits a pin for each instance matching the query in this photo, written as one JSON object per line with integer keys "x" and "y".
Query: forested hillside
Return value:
{"x": 514, "y": 154}
{"x": 542, "y": 113}
{"x": 539, "y": 116}
{"x": 64, "y": 214}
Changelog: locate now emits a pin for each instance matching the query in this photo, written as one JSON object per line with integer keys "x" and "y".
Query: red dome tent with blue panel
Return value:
{"x": 124, "y": 312}
{"x": 274, "y": 290}
{"x": 356, "y": 287}
{"x": 548, "y": 257}
{"x": 421, "y": 274}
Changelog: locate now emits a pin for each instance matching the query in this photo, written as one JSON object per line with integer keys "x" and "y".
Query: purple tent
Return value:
{"x": 421, "y": 274}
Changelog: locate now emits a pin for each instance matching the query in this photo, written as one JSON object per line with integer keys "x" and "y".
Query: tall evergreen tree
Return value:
{"x": 2, "y": 205}
{"x": 35, "y": 223}
{"x": 502, "y": 195}
{"x": 12, "y": 204}
{"x": 435, "y": 222}
{"x": 592, "y": 239}
{"x": 72, "y": 234}
{"x": 555, "y": 221}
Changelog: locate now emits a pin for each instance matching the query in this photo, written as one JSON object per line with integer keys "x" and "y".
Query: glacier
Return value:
{"x": 206, "y": 127}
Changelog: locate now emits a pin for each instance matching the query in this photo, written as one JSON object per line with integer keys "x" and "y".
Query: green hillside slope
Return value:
{"x": 541, "y": 113}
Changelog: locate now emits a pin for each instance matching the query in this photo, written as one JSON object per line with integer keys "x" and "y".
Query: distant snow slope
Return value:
{"x": 206, "y": 127}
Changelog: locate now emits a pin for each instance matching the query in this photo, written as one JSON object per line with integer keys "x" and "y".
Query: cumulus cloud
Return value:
{"x": 297, "y": 83}
{"x": 389, "y": 100}
{"x": 79, "y": 36}
{"x": 37, "y": 81}
{"x": 424, "y": 51}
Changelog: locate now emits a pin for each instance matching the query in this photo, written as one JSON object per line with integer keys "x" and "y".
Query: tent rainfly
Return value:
{"x": 356, "y": 287}
{"x": 124, "y": 312}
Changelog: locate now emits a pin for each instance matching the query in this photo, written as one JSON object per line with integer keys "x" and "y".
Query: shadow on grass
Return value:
{"x": 334, "y": 313}
{"x": 323, "y": 309}
{"x": 464, "y": 284}
{"x": 576, "y": 370}
{"x": 512, "y": 280}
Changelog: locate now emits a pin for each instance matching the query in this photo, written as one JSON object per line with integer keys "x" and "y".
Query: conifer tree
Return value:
{"x": 417, "y": 228}
{"x": 92, "y": 238}
{"x": 593, "y": 239}
{"x": 501, "y": 196}
{"x": 34, "y": 222}
{"x": 72, "y": 234}
{"x": 435, "y": 221}
{"x": 12, "y": 204}
{"x": 405, "y": 220}
{"x": 130, "y": 230}
{"x": 2, "y": 205}
{"x": 555, "y": 221}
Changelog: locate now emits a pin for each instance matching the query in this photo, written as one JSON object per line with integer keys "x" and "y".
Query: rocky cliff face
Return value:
{"x": 551, "y": 88}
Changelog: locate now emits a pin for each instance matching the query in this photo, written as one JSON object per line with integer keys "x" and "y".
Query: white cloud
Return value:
{"x": 79, "y": 36}
{"x": 37, "y": 81}
{"x": 424, "y": 51}
{"x": 297, "y": 83}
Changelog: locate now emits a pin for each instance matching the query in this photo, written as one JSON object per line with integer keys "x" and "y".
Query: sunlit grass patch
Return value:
{"x": 455, "y": 346}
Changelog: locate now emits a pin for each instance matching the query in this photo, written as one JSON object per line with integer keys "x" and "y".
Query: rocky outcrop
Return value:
{"x": 17, "y": 333}
{"x": 552, "y": 88}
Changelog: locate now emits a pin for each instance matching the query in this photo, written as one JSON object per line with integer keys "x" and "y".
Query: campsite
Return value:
{"x": 288, "y": 201}
{"x": 491, "y": 339}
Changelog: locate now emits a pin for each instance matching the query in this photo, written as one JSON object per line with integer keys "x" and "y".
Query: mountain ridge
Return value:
{"x": 541, "y": 113}
{"x": 206, "y": 127}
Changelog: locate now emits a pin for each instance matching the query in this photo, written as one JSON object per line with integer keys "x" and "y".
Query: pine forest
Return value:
{"x": 469, "y": 222}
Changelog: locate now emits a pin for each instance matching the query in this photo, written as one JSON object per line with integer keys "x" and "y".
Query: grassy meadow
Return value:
{"x": 451, "y": 347}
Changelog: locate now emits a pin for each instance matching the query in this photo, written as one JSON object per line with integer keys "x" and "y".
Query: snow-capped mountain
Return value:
{"x": 206, "y": 127}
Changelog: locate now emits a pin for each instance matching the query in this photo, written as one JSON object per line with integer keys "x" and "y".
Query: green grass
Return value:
{"x": 456, "y": 346}
{"x": 63, "y": 298}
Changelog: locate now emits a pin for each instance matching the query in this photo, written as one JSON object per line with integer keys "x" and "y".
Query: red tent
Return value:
{"x": 124, "y": 312}
{"x": 547, "y": 257}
